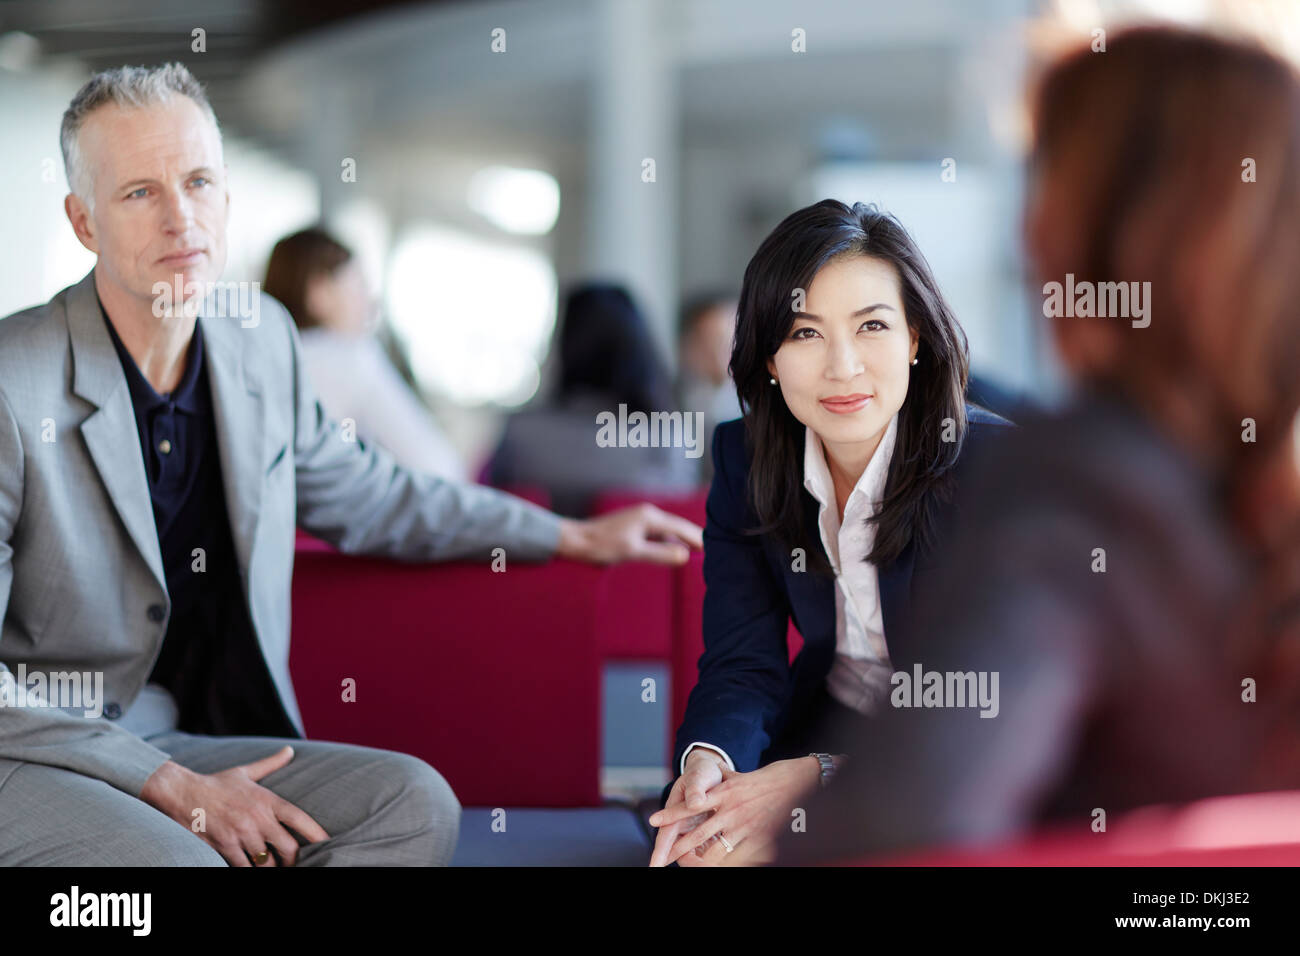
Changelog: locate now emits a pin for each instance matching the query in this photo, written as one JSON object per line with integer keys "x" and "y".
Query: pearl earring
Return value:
{"x": 772, "y": 380}
{"x": 914, "y": 361}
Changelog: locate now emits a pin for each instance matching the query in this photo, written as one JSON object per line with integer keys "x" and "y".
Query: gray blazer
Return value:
{"x": 82, "y": 585}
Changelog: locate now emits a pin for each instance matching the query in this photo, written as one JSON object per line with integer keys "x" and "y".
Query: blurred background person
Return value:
{"x": 320, "y": 282}
{"x": 1131, "y": 573}
{"x": 607, "y": 360}
{"x": 704, "y": 384}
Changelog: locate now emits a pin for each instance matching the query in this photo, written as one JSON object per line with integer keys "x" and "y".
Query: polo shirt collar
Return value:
{"x": 186, "y": 396}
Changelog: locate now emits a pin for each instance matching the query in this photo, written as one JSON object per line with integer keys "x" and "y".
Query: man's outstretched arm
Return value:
{"x": 355, "y": 496}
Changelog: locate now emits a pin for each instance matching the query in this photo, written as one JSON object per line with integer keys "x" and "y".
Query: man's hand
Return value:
{"x": 638, "y": 533}
{"x": 749, "y": 809}
{"x": 705, "y": 769}
{"x": 242, "y": 818}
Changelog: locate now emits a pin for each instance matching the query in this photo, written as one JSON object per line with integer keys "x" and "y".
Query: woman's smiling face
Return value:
{"x": 844, "y": 367}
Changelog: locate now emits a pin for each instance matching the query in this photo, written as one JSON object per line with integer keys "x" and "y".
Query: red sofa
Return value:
{"x": 1254, "y": 829}
{"x": 649, "y": 592}
{"x": 493, "y": 678}
{"x": 535, "y": 638}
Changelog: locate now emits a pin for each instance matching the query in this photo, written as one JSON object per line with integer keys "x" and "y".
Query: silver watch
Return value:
{"x": 828, "y": 767}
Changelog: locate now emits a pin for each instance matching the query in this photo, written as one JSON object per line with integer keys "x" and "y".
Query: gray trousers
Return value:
{"x": 380, "y": 808}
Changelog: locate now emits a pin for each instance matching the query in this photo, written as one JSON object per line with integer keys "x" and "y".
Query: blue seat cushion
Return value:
{"x": 588, "y": 836}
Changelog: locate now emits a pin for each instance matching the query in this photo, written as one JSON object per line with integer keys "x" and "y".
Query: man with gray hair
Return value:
{"x": 159, "y": 441}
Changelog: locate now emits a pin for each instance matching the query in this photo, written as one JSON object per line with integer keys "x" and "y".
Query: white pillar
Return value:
{"x": 631, "y": 223}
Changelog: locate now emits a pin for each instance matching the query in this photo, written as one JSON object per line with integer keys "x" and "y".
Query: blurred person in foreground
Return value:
{"x": 319, "y": 281}
{"x": 1132, "y": 578}
{"x": 159, "y": 442}
{"x": 609, "y": 372}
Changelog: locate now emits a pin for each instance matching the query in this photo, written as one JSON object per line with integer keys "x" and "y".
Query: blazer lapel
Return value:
{"x": 237, "y": 409}
{"x": 110, "y": 432}
{"x": 895, "y": 582}
{"x": 112, "y": 437}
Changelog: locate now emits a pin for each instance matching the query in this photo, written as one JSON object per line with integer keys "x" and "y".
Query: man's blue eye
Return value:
{"x": 200, "y": 179}
{"x": 136, "y": 191}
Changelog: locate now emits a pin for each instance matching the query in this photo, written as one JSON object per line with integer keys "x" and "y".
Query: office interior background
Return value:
{"x": 482, "y": 157}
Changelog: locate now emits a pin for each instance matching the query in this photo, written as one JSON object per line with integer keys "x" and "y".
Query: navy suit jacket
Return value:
{"x": 748, "y": 689}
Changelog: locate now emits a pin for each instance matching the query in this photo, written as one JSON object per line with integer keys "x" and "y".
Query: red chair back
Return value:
{"x": 492, "y": 678}
{"x": 1254, "y": 829}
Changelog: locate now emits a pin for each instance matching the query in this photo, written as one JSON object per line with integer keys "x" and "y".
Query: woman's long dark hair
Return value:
{"x": 920, "y": 470}
{"x": 605, "y": 347}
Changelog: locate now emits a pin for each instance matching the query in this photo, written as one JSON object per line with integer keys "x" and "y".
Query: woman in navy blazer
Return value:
{"x": 851, "y": 371}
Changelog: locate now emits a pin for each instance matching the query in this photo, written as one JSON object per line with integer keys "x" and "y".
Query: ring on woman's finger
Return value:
{"x": 703, "y": 848}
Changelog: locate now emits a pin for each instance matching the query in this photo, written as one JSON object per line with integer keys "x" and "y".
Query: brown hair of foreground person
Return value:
{"x": 1174, "y": 158}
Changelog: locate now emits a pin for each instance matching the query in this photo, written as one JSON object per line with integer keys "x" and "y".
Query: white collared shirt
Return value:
{"x": 859, "y": 676}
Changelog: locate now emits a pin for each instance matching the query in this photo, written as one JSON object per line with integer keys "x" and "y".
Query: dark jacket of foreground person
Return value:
{"x": 1118, "y": 688}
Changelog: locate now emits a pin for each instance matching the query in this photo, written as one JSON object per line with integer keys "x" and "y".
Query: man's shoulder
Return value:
{"x": 32, "y": 340}
{"x": 21, "y": 327}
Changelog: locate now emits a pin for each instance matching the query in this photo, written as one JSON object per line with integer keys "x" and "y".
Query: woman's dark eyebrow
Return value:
{"x": 862, "y": 311}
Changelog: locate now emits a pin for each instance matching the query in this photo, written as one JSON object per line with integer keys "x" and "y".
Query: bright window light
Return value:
{"x": 477, "y": 316}
{"x": 523, "y": 201}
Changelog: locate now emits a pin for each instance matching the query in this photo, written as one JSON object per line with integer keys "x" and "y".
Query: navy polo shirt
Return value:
{"x": 210, "y": 661}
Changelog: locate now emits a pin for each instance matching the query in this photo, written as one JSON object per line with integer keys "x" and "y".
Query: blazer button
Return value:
{"x": 112, "y": 710}
{"x": 157, "y": 612}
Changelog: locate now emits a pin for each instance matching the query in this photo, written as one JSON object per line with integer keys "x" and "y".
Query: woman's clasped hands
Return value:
{"x": 716, "y": 816}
